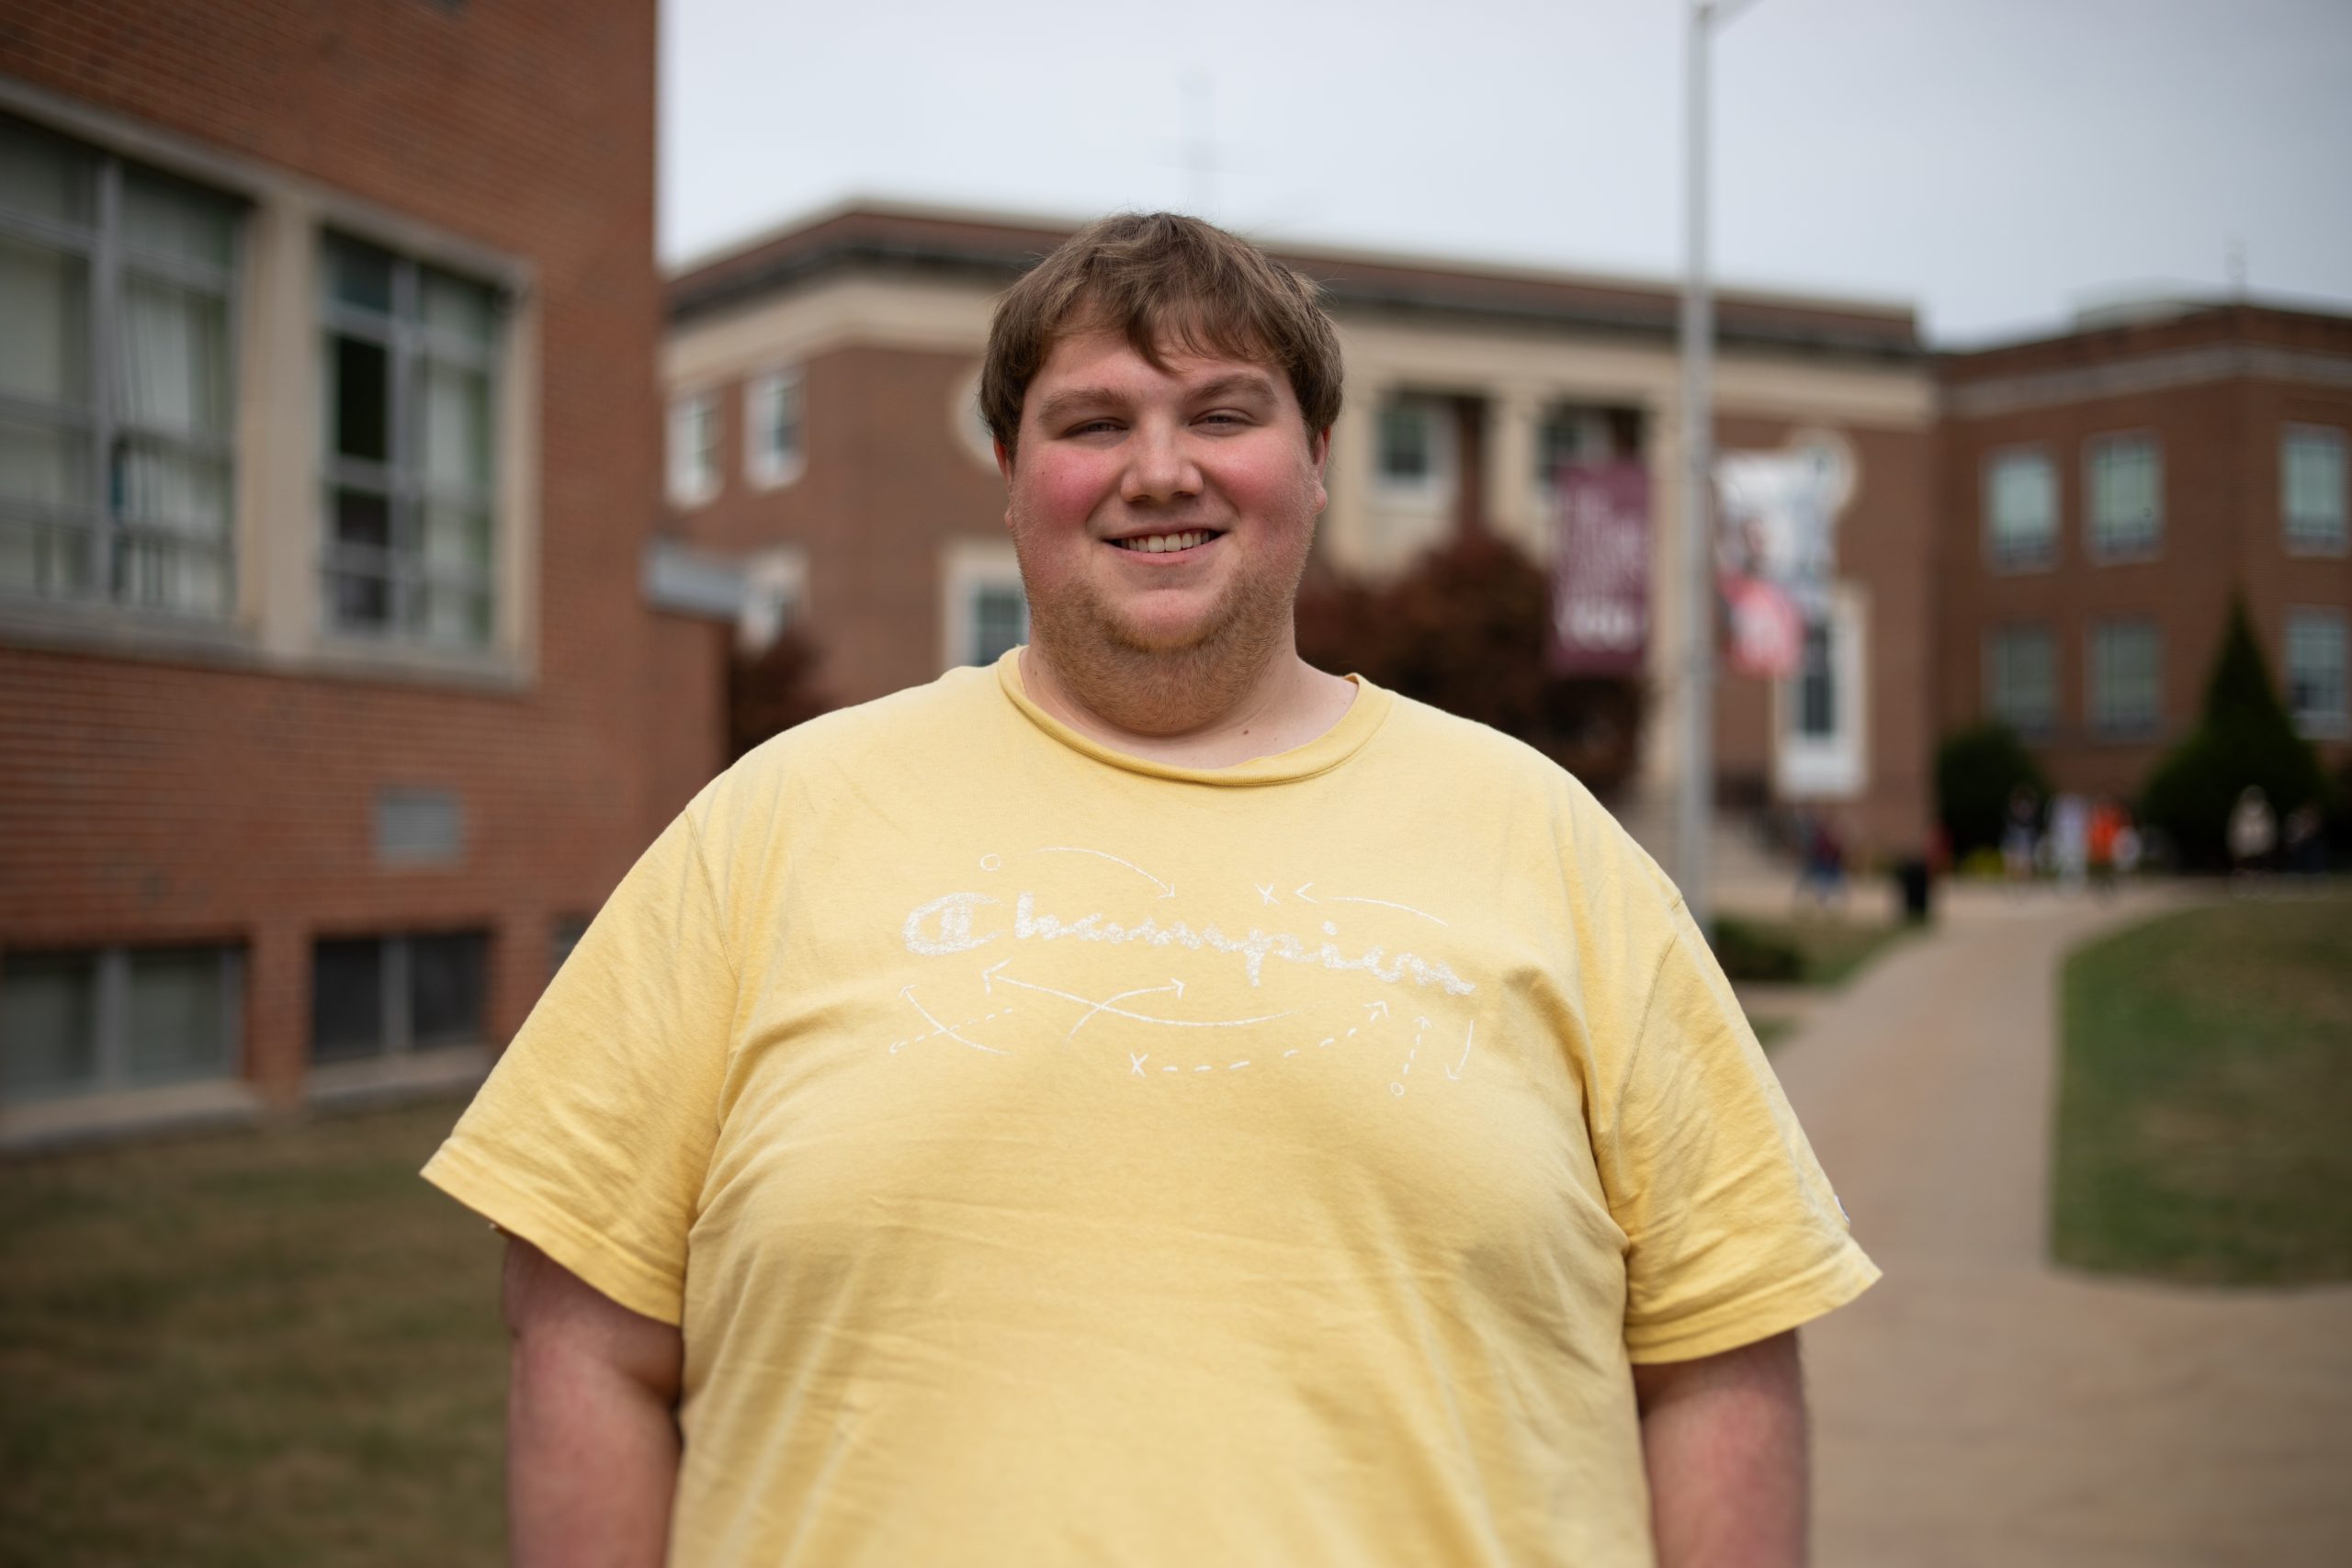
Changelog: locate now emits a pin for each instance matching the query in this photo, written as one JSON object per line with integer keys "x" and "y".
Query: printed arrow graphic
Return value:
{"x": 1455, "y": 1071}
{"x": 1377, "y": 1010}
{"x": 994, "y": 976}
{"x": 1167, "y": 890}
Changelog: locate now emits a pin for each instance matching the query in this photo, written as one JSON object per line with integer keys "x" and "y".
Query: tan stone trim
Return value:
{"x": 2151, "y": 373}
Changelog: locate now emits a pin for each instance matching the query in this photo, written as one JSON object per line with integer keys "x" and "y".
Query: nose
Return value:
{"x": 1159, "y": 465}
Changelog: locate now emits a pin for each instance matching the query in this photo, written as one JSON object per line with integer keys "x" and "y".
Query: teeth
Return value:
{"x": 1160, "y": 543}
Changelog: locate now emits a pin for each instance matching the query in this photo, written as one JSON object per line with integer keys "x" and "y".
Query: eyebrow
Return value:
{"x": 1240, "y": 383}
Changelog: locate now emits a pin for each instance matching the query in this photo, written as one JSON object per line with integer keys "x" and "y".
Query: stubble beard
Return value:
{"x": 1163, "y": 686}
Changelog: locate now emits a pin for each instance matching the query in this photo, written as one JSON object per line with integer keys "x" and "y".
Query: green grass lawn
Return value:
{"x": 2205, "y": 1104}
{"x": 260, "y": 1348}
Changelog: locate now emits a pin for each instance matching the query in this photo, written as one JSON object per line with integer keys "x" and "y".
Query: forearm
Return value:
{"x": 1724, "y": 1439}
{"x": 591, "y": 1436}
{"x": 592, "y": 1464}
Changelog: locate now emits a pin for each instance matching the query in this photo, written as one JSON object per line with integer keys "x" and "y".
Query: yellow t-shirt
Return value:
{"x": 1053, "y": 1158}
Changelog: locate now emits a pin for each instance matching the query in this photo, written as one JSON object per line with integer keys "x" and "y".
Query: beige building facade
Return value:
{"x": 824, "y": 441}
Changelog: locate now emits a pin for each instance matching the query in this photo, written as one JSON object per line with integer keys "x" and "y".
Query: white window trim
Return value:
{"x": 966, "y": 425}
{"x": 2093, "y": 549}
{"x": 1994, "y": 559}
{"x": 2320, "y": 727}
{"x": 776, "y": 597}
{"x": 2317, "y": 548}
{"x": 688, "y": 485}
{"x": 1835, "y": 767}
{"x": 966, "y": 567}
{"x": 279, "y": 618}
{"x": 768, "y": 469}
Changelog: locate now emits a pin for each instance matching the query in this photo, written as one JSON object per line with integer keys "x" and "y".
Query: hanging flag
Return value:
{"x": 1601, "y": 569}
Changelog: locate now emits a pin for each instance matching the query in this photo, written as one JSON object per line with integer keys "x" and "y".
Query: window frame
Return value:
{"x": 1834, "y": 764}
{"x": 1998, "y": 556}
{"x": 764, "y": 466}
{"x": 395, "y": 1002}
{"x": 1434, "y": 486}
{"x": 699, "y": 486}
{"x": 110, "y": 1019}
{"x": 1999, "y": 659}
{"x": 970, "y": 568}
{"x": 409, "y": 344}
{"x": 2319, "y": 726}
{"x": 2102, "y": 548}
{"x": 2102, "y": 724}
{"x": 103, "y": 425}
{"x": 2339, "y": 541}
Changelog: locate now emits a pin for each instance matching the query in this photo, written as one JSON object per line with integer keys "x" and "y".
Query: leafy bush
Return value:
{"x": 2244, "y": 738}
{"x": 1976, "y": 772}
{"x": 1464, "y": 629}
{"x": 769, "y": 692}
{"x": 1748, "y": 953}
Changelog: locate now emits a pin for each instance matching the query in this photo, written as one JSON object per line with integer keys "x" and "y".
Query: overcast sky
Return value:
{"x": 1993, "y": 162}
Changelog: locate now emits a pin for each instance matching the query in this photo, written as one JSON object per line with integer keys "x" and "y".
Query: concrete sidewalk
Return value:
{"x": 1979, "y": 1406}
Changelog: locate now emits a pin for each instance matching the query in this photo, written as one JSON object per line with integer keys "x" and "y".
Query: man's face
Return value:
{"x": 1160, "y": 511}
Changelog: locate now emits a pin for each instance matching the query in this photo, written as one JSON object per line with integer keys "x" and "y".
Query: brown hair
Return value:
{"x": 1162, "y": 280}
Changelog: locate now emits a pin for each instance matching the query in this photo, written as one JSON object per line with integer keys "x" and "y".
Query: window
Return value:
{"x": 774, "y": 453}
{"x": 409, "y": 359}
{"x": 1567, "y": 434}
{"x": 381, "y": 996}
{"x": 985, "y": 613}
{"x": 2127, "y": 508}
{"x": 1416, "y": 454}
{"x": 2316, "y": 671}
{"x": 116, "y": 380}
{"x": 73, "y": 1022}
{"x": 2020, "y": 678}
{"x": 2311, "y": 486}
{"x": 1000, "y": 621}
{"x": 2020, "y": 509}
{"x": 2127, "y": 679}
{"x": 694, "y": 448}
{"x": 1819, "y": 751}
{"x": 1817, "y": 684}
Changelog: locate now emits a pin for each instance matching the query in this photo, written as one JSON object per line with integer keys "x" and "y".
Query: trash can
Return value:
{"x": 1911, "y": 876}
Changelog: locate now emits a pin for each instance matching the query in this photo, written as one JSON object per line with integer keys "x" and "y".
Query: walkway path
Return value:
{"x": 1979, "y": 1406}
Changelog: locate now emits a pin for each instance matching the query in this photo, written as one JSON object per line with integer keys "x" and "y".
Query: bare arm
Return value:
{"x": 1724, "y": 1440}
{"x": 591, "y": 1431}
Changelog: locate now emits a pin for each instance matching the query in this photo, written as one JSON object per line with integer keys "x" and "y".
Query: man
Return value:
{"x": 1152, "y": 1101}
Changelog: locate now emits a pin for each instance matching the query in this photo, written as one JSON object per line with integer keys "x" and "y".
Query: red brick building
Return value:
{"x": 825, "y": 441}
{"x": 2105, "y": 493}
{"x": 332, "y": 692}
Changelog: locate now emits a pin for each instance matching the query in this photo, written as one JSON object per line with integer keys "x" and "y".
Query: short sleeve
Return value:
{"x": 1732, "y": 1232}
{"x": 590, "y": 1136}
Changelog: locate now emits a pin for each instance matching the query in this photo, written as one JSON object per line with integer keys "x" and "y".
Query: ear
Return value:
{"x": 1318, "y": 453}
{"x": 1003, "y": 461}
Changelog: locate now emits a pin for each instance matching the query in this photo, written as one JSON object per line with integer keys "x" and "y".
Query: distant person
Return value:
{"x": 2018, "y": 837}
{"x": 1151, "y": 1101}
{"x": 2107, "y": 826}
{"x": 2253, "y": 833}
{"x": 2070, "y": 825}
{"x": 2305, "y": 846}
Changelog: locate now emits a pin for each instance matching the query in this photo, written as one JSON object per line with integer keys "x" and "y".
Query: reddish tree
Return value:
{"x": 1464, "y": 629}
{"x": 770, "y": 692}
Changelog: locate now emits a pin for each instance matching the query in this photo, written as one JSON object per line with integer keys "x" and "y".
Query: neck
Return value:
{"x": 1193, "y": 707}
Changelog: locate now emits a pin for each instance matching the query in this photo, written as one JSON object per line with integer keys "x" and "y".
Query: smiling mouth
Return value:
{"x": 1161, "y": 544}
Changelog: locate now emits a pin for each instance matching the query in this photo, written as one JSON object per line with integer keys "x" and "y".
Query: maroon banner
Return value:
{"x": 1601, "y": 569}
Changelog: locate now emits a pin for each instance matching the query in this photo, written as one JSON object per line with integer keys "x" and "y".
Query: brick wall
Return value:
{"x": 2222, "y": 530}
{"x": 887, "y": 487}
{"x": 143, "y": 800}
